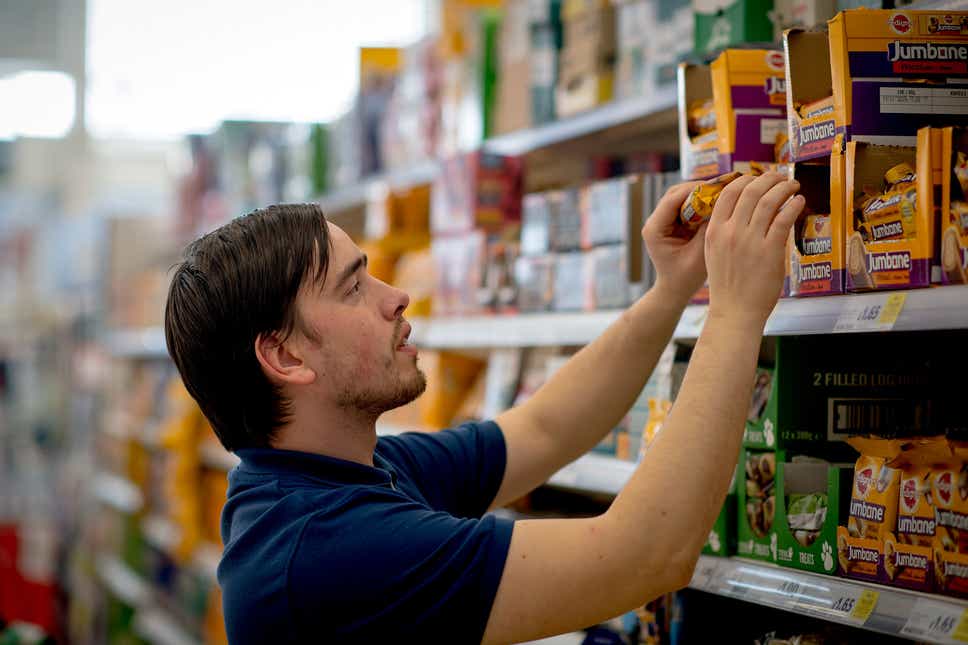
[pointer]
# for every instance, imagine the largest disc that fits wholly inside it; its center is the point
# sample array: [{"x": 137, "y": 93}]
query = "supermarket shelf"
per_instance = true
[
  {"x": 356, "y": 195},
  {"x": 873, "y": 607},
  {"x": 594, "y": 474},
  {"x": 148, "y": 342},
  {"x": 123, "y": 583},
  {"x": 215, "y": 456},
  {"x": 117, "y": 492},
  {"x": 160, "y": 532},
  {"x": 607, "y": 116},
  {"x": 512, "y": 331},
  {"x": 156, "y": 627}
]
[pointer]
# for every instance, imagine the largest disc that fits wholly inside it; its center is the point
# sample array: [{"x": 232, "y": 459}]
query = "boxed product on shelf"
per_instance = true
[
  {"x": 749, "y": 96},
  {"x": 815, "y": 248},
  {"x": 612, "y": 212},
  {"x": 411, "y": 124},
  {"x": 895, "y": 71},
  {"x": 670, "y": 42},
  {"x": 756, "y": 505},
  {"x": 722, "y": 536},
  {"x": 811, "y": 502},
  {"x": 802, "y": 14},
  {"x": 498, "y": 291},
  {"x": 565, "y": 219},
  {"x": 635, "y": 20},
  {"x": 587, "y": 60},
  {"x": 698, "y": 138},
  {"x": 571, "y": 293},
  {"x": 378, "y": 69},
  {"x": 546, "y": 42},
  {"x": 890, "y": 240},
  {"x": 513, "y": 109},
  {"x": 458, "y": 269},
  {"x": 607, "y": 277},
  {"x": 725, "y": 23},
  {"x": 810, "y": 108},
  {"x": 949, "y": 492},
  {"x": 827, "y": 388},
  {"x": 534, "y": 276},
  {"x": 476, "y": 190},
  {"x": 945, "y": 152},
  {"x": 536, "y": 221}
]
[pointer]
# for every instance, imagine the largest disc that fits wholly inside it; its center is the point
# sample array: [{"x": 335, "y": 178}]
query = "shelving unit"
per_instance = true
[
  {"x": 117, "y": 492},
  {"x": 873, "y": 607}
]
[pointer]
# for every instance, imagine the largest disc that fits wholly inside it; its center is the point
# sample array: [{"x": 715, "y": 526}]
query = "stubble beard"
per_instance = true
[{"x": 401, "y": 390}]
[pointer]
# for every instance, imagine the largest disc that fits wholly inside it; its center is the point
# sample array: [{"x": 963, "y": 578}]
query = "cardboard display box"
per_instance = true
[
  {"x": 811, "y": 118},
  {"x": 815, "y": 265},
  {"x": 875, "y": 257},
  {"x": 756, "y": 505},
  {"x": 587, "y": 62},
  {"x": 725, "y": 23},
  {"x": 476, "y": 190},
  {"x": 722, "y": 537},
  {"x": 807, "y": 539},
  {"x": 875, "y": 54},
  {"x": 749, "y": 92},
  {"x": 800, "y": 14},
  {"x": 698, "y": 153},
  {"x": 945, "y": 151}
]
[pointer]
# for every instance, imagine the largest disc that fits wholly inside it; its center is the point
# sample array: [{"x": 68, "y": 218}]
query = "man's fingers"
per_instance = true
[
  {"x": 780, "y": 228},
  {"x": 667, "y": 210},
  {"x": 752, "y": 194},
  {"x": 770, "y": 204},
  {"x": 726, "y": 202}
]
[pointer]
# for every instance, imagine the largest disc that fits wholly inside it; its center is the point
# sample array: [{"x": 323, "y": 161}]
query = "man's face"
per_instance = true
[{"x": 352, "y": 334}]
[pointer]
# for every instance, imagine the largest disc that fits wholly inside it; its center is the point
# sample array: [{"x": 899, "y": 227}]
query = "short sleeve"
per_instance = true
[
  {"x": 458, "y": 471},
  {"x": 385, "y": 569}
]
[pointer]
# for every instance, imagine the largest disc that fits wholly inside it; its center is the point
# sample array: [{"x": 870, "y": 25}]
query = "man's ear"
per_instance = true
[{"x": 281, "y": 361}]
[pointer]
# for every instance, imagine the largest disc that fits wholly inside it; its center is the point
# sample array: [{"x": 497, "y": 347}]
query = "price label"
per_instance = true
[
  {"x": 866, "y": 313},
  {"x": 937, "y": 621}
]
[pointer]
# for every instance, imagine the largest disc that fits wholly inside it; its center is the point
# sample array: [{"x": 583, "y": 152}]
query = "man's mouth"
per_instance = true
[{"x": 404, "y": 343}]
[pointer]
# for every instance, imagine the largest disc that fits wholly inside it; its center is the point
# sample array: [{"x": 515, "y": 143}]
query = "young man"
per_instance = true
[{"x": 332, "y": 535}]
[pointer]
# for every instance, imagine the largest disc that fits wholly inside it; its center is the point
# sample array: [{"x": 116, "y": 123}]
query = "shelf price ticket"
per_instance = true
[
  {"x": 876, "y": 312},
  {"x": 938, "y": 622}
]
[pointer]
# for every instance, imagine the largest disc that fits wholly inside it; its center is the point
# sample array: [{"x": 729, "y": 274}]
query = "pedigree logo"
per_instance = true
[
  {"x": 942, "y": 485},
  {"x": 900, "y": 23},
  {"x": 864, "y": 480},
  {"x": 774, "y": 60},
  {"x": 909, "y": 495}
]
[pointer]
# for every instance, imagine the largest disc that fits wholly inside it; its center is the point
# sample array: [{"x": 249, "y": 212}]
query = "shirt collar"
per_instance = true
[{"x": 272, "y": 460}]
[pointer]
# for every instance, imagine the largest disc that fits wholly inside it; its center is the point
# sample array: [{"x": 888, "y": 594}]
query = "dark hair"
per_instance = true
[{"x": 235, "y": 283}]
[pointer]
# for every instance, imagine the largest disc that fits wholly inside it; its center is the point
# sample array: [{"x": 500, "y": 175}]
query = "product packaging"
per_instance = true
[
  {"x": 571, "y": 285},
  {"x": 534, "y": 276},
  {"x": 749, "y": 92},
  {"x": 800, "y": 14},
  {"x": 722, "y": 536},
  {"x": 536, "y": 220},
  {"x": 459, "y": 269},
  {"x": 476, "y": 190},
  {"x": 756, "y": 505},
  {"x": 894, "y": 71},
  {"x": 809, "y": 88},
  {"x": 945, "y": 152},
  {"x": 725, "y": 23},
  {"x": 565, "y": 220},
  {"x": 612, "y": 212},
  {"x": 949, "y": 491},
  {"x": 889, "y": 239},
  {"x": 607, "y": 275},
  {"x": 698, "y": 140},
  {"x": 698, "y": 207},
  {"x": 811, "y": 501},
  {"x": 815, "y": 248},
  {"x": 587, "y": 62}
]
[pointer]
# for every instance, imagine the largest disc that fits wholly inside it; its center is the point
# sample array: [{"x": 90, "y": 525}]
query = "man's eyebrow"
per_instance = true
[{"x": 351, "y": 268}]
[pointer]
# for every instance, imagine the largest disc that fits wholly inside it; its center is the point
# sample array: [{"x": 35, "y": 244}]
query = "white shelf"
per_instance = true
[
  {"x": 607, "y": 116},
  {"x": 148, "y": 342},
  {"x": 356, "y": 195},
  {"x": 156, "y": 627},
  {"x": 898, "y": 612},
  {"x": 532, "y": 330},
  {"x": 117, "y": 492},
  {"x": 593, "y": 473},
  {"x": 215, "y": 456}
]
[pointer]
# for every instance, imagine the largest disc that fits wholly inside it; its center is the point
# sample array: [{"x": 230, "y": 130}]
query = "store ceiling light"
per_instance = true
[{"x": 36, "y": 104}]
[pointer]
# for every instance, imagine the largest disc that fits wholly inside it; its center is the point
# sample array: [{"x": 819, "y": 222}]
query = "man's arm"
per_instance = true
[
  {"x": 562, "y": 575},
  {"x": 591, "y": 393}
]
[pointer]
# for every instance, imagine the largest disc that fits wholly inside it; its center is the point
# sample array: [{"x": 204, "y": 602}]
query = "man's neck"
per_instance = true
[{"x": 341, "y": 434}]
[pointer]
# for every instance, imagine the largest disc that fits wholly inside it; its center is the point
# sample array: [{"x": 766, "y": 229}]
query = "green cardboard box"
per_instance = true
[
  {"x": 756, "y": 505},
  {"x": 722, "y": 536},
  {"x": 812, "y": 544},
  {"x": 724, "y": 23},
  {"x": 826, "y": 388}
]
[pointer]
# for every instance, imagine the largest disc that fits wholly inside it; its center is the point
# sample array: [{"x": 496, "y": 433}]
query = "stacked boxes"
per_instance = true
[
  {"x": 896, "y": 71},
  {"x": 652, "y": 38},
  {"x": 586, "y": 71},
  {"x": 945, "y": 152},
  {"x": 698, "y": 138},
  {"x": 810, "y": 110},
  {"x": 749, "y": 93}
]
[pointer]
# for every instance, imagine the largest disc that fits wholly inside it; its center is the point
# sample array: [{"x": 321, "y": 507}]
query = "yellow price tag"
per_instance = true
[
  {"x": 892, "y": 308},
  {"x": 865, "y": 605},
  {"x": 961, "y": 631}
]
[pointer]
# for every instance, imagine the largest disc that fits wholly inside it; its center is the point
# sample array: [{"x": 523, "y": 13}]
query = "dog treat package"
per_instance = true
[
  {"x": 949, "y": 491},
  {"x": 810, "y": 102},
  {"x": 756, "y": 533},
  {"x": 894, "y": 71},
  {"x": 698, "y": 206},
  {"x": 872, "y": 512},
  {"x": 722, "y": 536},
  {"x": 908, "y": 560},
  {"x": 889, "y": 236},
  {"x": 698, "y": 139},
  {"x": 749, "y": 91},
  {"x": 945, "y": 152},
  {"x": 815, "y": 248},
  {"x": 812, "y": 500}
]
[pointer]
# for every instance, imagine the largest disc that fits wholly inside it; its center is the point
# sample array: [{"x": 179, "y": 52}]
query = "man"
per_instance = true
[{"x": 332, "y": 535}]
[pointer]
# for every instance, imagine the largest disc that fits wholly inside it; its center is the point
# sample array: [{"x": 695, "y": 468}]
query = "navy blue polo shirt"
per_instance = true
[{"x": 324, "y": 550}]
